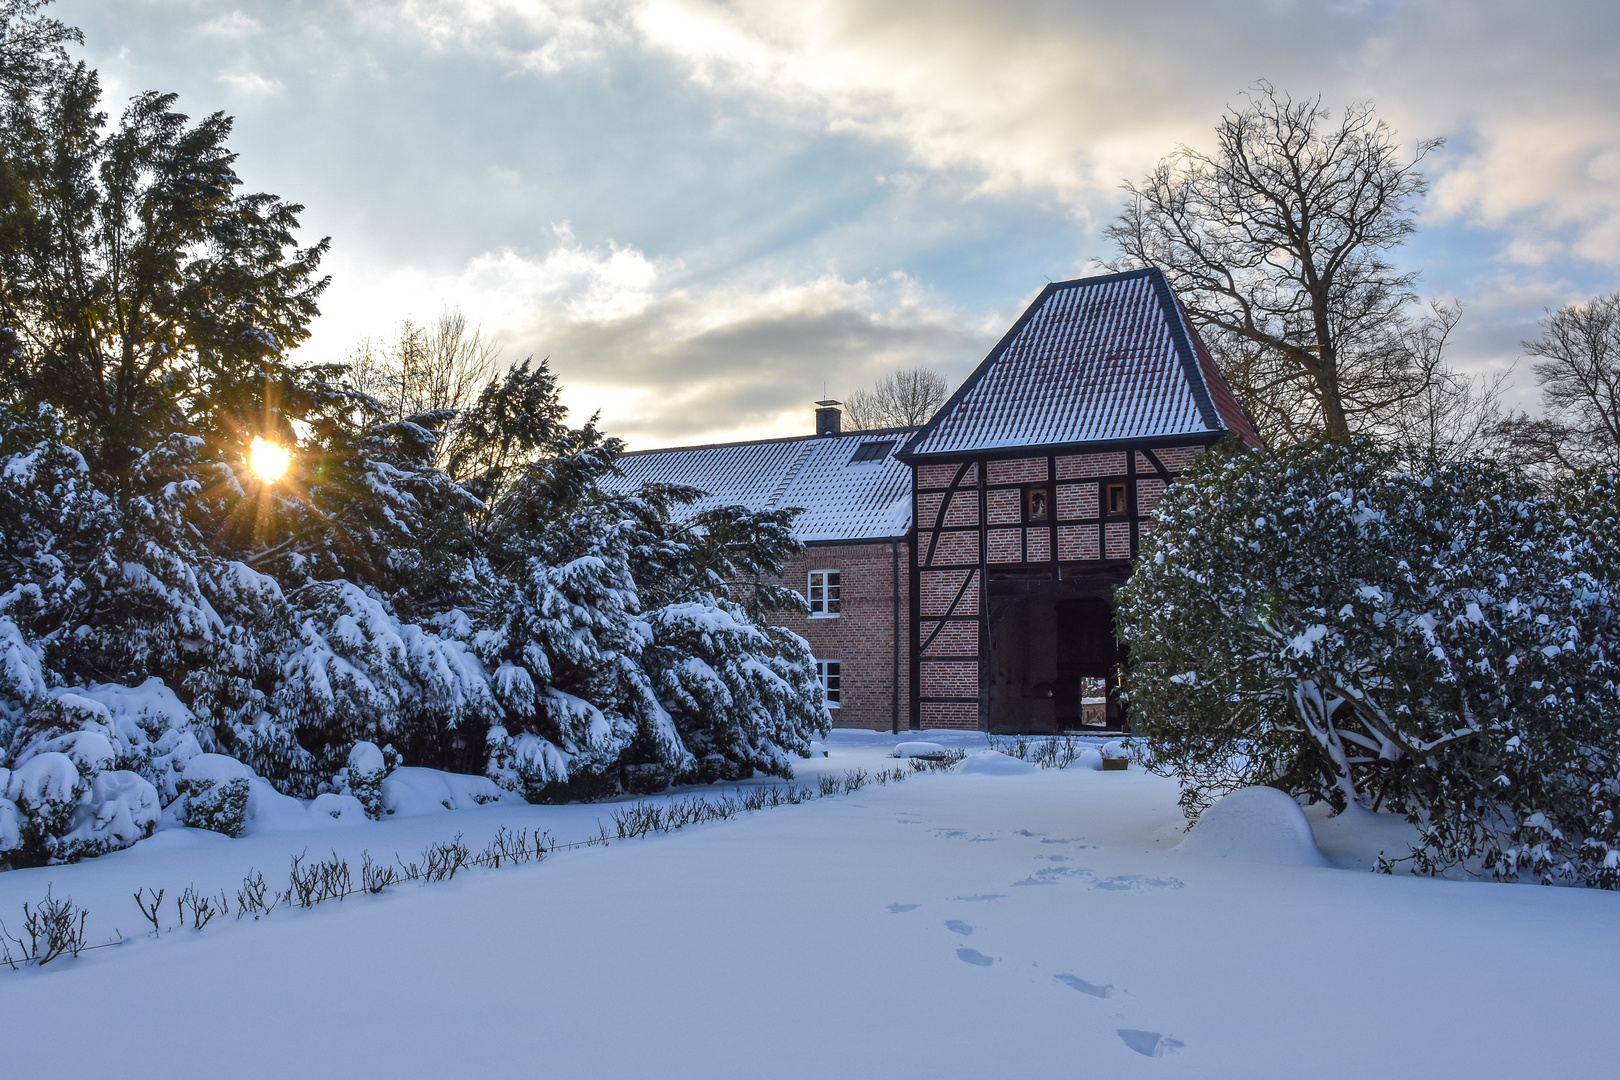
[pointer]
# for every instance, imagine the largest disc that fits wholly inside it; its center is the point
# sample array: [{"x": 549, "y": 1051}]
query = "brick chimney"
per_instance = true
[{"x": 829, "y": 417}]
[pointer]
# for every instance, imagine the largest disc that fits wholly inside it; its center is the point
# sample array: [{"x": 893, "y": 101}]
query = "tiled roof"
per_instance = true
[
  {"x": 842, "y": 499},
  {"x": 1098, "y": 359}
]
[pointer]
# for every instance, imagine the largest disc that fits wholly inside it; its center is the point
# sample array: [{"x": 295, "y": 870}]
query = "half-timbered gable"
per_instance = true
[{"x": 1032, "y": 488}]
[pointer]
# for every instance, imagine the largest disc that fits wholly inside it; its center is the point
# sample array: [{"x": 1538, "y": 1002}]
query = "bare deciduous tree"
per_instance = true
[
  {"x": 907, "y": 398},
  {"x": 1452, "y": 416},
  {"x": 1277, "y": 245},
  {"x": 1579, "y": 375},
  {"x": 425, "y": 369}
]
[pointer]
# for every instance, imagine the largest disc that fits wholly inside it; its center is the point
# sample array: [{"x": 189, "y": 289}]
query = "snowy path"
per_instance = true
[{"x": 945, "y": 926}]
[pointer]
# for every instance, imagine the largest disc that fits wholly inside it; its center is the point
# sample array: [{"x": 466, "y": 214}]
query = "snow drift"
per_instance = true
[{"x": 1257, "y": 824}]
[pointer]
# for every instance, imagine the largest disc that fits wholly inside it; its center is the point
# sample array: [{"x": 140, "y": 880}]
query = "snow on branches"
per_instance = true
[
  {"x": 1436, "y": 644},
  {"x": 519, "y": 622}
]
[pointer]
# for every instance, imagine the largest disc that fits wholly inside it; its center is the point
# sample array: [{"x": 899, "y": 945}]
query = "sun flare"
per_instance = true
[{"x": 268, "y": 460}]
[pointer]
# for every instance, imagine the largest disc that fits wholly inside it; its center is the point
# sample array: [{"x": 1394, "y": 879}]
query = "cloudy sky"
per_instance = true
[{"x": 705, "y": 213}]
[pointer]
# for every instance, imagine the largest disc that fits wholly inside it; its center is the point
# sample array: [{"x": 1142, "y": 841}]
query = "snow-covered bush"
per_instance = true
[
  {"x": 215, "y": 791},
  {"x": 363, "y": 777},
  {"x": 65, "y": 808},
  {"x": 72, "y": 785},
  {"x": 743, "y": 697},
  {"x": 1435, "y": 644}
]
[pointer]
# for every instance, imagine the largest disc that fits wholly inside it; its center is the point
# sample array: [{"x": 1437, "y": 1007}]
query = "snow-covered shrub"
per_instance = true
[
  {"x": 359, "y": 673},
  {"x": 363, "y": 777},
  {"x": 526, "y": 763},
  {"x": 743, "y": 697},
  {"x": 216, "y": 790},
  {"x": 65, "y": 814},
  {"x": 1316, "y": 620},
  {"x": 569, "y": 669},
  {"x": 69, "y": 784}
]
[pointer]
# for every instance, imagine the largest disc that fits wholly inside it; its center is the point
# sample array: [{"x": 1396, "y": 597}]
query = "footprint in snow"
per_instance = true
[
  {"x": 957, "y": 926},
  {"x": 1149, "y": 1043},
  {"x": 1049, "y": 875},
  {"x": 1070, "y": 840},
  {"x": 975, "y": 957},
  {"x": 950, "y": 834},
  {"x": 981, "y": 898},
  {"x": 898, "y": 908},
  {"x": 1135, "y": 881},
  {"x": 1026, "y": 832},
  {"x": 1084, "y": 987}
]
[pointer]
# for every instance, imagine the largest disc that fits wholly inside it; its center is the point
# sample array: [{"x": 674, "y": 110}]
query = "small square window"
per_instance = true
[
  {"x": 1037, "y": 504},
  {"x": 823, "y": 594},
  {"x": 829, "y": 670},
  {"x": 1116, "y": 499}
]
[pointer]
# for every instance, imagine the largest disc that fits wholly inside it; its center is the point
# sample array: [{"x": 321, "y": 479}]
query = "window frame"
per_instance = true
[
  {"x": 1030, "y": 496},
  {"x": 831, "y": 674},
  {"x": 872, "y": 450},
  {"x": 1124, "y": 499},
  {"x": 831, "y": 581}
]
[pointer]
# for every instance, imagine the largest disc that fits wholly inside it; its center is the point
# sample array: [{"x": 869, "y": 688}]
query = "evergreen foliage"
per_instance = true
[
  {"x": 457, "y": 586},
  {"x": 1441, "y": 644}
]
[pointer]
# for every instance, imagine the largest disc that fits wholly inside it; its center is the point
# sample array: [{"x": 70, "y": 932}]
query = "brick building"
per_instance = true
[{"x": 1010, "y": 517}]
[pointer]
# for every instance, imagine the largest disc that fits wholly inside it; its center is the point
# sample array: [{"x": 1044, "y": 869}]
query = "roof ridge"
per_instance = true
[
  {"x": 778, "y": 439},
  {"x": 1181, "y": 335}
]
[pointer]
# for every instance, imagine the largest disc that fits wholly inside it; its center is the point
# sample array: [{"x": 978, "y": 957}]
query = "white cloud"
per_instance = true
[
  {"x": 665, "y": 361},
  {"x": 250, "y": 83},
  {"x": 233, "y": 25},
  {"x": 1551, "y": 182},
  {"x": 1066, "y": 102}
]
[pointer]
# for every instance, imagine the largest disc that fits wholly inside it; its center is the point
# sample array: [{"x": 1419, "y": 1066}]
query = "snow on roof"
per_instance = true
[
  {"x": 848, "y": 488},
  {"x": 1098, "y": 359}
]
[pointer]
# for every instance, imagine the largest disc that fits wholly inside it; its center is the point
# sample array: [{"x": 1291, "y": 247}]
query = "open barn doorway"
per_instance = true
[{"x": 1054, "y": 658}]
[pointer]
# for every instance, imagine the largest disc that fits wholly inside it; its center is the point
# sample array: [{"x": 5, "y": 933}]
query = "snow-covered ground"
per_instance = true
[{"x": 981, "y": 924}]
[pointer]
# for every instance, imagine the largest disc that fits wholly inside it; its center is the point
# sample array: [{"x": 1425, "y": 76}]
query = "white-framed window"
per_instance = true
[
  {"x": 829, "y": 670},
  {"x": 823, "y": 594}
]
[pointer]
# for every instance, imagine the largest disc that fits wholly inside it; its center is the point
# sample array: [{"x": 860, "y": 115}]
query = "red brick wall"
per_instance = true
[{"x": 862, "y": 637}]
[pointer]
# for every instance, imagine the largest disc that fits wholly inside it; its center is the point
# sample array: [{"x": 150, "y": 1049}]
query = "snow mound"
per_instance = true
[
  {"x": 1257, "y": 824},
  {"x": 918, "y": 749},
  {"x": 411, "y": 791},
  {"x": 1090, "y": 758},
  {"x": 994, "y": 763},
  {"x": 1357, "y": 837}
]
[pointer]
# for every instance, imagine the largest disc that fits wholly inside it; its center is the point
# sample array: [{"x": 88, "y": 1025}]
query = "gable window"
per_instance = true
[
  {"x": 1116, "y": 498},
  {"x": 830, "y": 680},
  {"x": 872, "y": 451},
  {"x": 1037, "y": 504},
  {"x": 823, "y": 594}
]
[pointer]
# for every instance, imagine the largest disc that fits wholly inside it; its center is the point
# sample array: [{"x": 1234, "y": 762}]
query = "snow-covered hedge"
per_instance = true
[{"x": 1443, "y": 644}]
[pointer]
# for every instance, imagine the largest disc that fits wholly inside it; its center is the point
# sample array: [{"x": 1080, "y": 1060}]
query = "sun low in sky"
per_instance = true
[{"x": 268, "y": 460}]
